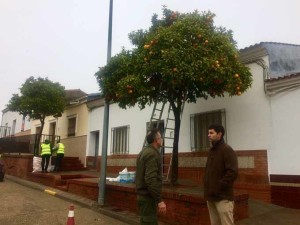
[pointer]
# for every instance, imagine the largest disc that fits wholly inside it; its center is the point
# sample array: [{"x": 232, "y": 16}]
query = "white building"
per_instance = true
[
  {"x": 261, "y": 125},
  {"x": 12, "y": 123}
]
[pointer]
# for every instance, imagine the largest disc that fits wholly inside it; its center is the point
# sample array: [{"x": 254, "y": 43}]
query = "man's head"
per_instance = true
[
  {"x": 154, "y": 138},
  {"x": 47, "y": 141},
  {"x": 215, "y": 133}
]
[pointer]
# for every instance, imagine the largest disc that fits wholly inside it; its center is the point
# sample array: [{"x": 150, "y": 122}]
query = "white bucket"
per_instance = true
[
  {"x": 131, "y": 177},
  {"x": 124, "y": 177}
]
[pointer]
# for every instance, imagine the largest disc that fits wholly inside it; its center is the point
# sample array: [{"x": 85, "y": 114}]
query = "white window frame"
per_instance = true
[
  {"x": 196, "y": 132},
  {"x": 120, "y": 140}
]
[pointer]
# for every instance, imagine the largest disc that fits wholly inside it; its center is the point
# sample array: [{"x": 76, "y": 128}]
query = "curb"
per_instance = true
[{"x": 126, "y": 217}]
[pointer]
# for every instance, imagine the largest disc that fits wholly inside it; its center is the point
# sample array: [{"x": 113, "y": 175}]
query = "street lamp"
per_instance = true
[{"x": 102, "y": 181}]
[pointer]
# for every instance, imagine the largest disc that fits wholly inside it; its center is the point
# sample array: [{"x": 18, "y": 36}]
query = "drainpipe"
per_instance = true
[
  {"x": 266, "y": 76},
  {"x": 265, "y": 68}
]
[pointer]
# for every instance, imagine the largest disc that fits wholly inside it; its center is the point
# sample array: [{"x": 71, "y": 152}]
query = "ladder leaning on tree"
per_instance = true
[
  {"x": 169, "y": 131},
  {"x": 168, "y": 141},
  {"x": 157, "y": 109}
]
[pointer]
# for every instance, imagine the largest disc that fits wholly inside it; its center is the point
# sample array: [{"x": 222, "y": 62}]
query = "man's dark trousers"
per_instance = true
[
  {"x": 58, "y": 160},
  {"x": 148, "y": 210},
  {"x": 45, "y": 160}
]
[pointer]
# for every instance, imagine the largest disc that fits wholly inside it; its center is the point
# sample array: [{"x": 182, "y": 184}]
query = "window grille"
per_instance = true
[
  {"x": 199, "y": 128},
  {"x": 120, "y": 140}
]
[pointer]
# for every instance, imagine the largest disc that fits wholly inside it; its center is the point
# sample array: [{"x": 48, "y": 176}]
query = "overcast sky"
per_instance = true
[{"x": 66, "y": 40}]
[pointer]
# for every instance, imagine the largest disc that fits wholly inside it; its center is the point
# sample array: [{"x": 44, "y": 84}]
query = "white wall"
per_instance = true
[
  {"x": 133, "y": 117},
  {"x": 247, "y": 119},
  {"x": 8, "y": 117},
  {"x": 95, "y": 123},
  {"x": 285, "y": 155},
  {"x": 247, "y": 116}
]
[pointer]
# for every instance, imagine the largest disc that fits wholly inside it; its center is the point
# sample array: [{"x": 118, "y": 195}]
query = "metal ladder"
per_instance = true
[
  {"x": 154, "y": 118},
  {"x": 168, "y": 141},
  {"x": 159, "y": 109}
]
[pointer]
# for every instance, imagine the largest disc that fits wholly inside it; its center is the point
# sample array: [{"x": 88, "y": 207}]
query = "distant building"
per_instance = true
[
  {"x": 14, "y": 124},
  {"x": 71, "y": 126}
]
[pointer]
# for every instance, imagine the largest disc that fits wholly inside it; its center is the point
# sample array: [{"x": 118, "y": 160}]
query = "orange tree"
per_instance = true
[{"x": 181, "y": 57}]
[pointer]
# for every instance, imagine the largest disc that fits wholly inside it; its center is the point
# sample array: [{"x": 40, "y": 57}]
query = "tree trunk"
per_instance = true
[
  {"x": 39, "y": 135},
  {"x": 177, "y": 113}
]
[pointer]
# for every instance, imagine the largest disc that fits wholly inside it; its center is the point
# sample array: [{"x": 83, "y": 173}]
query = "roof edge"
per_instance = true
[{"x": 252, "y": 53}]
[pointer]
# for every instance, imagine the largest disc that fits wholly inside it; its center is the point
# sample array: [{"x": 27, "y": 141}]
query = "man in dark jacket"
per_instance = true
[
  {"x": 220, "y": 174},
  {"x": 149, "y": 180}
]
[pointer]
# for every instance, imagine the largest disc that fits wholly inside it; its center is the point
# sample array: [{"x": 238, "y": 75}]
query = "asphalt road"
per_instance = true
[{"x": 20, "y": 205}]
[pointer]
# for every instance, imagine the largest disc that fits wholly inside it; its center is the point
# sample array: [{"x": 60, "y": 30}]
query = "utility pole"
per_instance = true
[{"x": 102, "y": 181}]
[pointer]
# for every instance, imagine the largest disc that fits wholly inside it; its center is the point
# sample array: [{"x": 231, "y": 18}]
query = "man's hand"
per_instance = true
[{"x": 162, "y": 208}]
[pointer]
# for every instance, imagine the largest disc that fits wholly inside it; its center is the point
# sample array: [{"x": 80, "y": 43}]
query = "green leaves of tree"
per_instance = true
[
  {"x": 39, "y": 98},
  {"x": 181, "y": 57}
]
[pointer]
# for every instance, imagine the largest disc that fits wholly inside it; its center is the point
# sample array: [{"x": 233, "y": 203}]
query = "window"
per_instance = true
[
  {"x": 6, "y": 130},
  {"x": 120, "y": 140},
  {"x": 52, "y": 128},
  {"x": 13, "y": 128},
  {"x": 160, "y": 125},
  {"x": 155, "y": 124},
  {"x": 199, "y": 128},
  {"x": 23, "y": 123},
  {"x": 52, "y": 131},
  {"x": 71, "y": 126},
  {"x": 38, "y": 130}
]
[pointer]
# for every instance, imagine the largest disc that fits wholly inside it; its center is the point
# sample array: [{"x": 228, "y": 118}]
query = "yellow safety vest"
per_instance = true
[
  {"x": 61, "y": 148},
  {"x": 46, "y": 149}
]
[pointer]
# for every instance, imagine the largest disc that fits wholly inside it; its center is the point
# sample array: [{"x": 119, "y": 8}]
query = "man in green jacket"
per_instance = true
[
  {"x": 220, "y": 174},
  {"x": 149, "y": 180}
]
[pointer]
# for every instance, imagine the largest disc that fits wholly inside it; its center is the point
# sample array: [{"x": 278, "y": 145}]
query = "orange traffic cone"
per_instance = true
[{"x": 71, "y": 220}]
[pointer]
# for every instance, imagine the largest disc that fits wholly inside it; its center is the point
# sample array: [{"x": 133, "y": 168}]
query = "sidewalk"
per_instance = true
[
  {"x": 260, "y": 213},
  {"x": 126, "y": 217}
]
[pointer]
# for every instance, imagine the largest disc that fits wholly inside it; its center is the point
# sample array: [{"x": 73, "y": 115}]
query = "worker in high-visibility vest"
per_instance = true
[
  {"x": 46, "y": 154},
  {"x": 60, "y": 153}
]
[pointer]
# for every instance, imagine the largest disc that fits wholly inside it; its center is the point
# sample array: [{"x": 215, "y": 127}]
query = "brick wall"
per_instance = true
[
  {"x": 18, "y": 165},
  {"x": 183, "y": 208},
  {"x": 285, "y": 190},
  {"x": 75, "y": 147},
  {"x": 22, "y": 165},
  {"x": 253, "y": 169}
]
